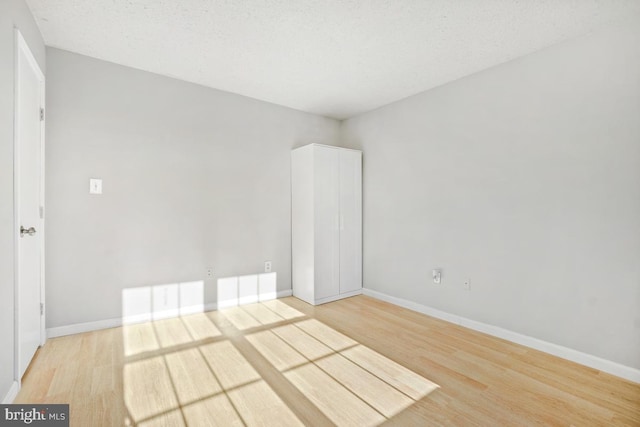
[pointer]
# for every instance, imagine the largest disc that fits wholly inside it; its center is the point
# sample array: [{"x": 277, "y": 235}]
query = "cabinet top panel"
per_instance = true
[{"x": 324, "y": 146}]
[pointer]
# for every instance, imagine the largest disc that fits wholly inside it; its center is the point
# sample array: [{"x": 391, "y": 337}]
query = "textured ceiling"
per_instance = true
[{"x": 336, "y": 58}]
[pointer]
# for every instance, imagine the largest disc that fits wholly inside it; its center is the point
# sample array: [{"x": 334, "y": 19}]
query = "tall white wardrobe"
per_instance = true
[{"x": 326, "y": 214}]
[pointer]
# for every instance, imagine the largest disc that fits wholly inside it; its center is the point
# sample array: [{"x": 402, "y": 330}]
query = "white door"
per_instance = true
[
  {"x": 29, "y": 97},
  {"x": 326, "y": 233},
  {"x": 350, "y": 221}
]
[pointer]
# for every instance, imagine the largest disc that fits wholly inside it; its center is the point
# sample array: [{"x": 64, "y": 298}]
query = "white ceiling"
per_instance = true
[{"x": 336, "y": 58}]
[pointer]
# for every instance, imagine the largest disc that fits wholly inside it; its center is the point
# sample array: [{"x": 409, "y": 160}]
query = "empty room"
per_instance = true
[{"x": 319, "y": 213}]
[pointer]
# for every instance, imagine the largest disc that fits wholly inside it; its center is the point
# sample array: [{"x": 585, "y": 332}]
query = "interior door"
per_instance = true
[
  {"x": 350, "y": 221},
  {"x": 29, "y": 197}
]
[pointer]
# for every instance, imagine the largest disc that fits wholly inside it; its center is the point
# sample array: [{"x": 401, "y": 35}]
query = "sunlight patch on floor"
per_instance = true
[
  {"x": 341, "y": 406},
  {"x": 213, "y": 411},
  {"x": 186, "y": 371},
  {"x": 228, "y": 365},
  {"x": 171, "y": 418},
  {"x": 262, "y": 314},
  {"x": 239, "y": 318},
  {"x": 283, "y": 310},
  {"x": 405, "y": 380},
  {"x": 191, "y": 375},
  {"x": 342, "y": 370},
  {"x": 147, "y": 383},
  {"x": 139, "y": 338},
  {"x": 377, "y": 393},
  {"x": 260, "y": 405},
  {"x": 276, "y": 351},
  {"x": 200, "y": 327},
  {"x": 330, "y": 337},
  {"x": 171, "y": 332},
  {"x": 212, "y": 384},
  {"x": 304, "y": 343}
]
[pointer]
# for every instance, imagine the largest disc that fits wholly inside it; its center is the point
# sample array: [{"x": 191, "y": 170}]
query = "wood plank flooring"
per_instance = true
[{"x": 357, "y": 361}]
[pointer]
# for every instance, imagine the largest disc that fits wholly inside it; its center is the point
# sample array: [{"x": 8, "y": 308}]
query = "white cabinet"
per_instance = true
[{"x": 326, "y": 217}]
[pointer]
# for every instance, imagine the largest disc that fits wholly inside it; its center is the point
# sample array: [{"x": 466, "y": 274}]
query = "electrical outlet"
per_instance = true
[
  {"x": 467, "y": 285},
  {"x": 95, "y": 186},
  {"x": 267, "y": 266},
  {"x": 209, "y": 272},
  {"x": 437, "y": 276}
]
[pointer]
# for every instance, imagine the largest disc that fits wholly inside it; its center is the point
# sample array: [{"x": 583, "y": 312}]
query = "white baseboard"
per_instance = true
[
  {"x": 11, "y": 394},
  {"x": 78, "y": 328},
  {"x": 337, "y": 297},
  {"x": 589, "y": 360},
  {"x": 285, "y": 293}
]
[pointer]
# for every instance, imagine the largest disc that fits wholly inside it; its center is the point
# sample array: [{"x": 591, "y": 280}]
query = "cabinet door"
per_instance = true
[
  {"x": 326, "y": 209},
  {"x": 350, "y": 221},
  {"x": 302, "y": 227}
]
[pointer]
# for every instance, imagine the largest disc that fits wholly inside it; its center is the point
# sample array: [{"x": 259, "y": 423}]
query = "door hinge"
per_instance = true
[
  {"x": 41, "y": 308},
  {"x": 41, "y": 114}
]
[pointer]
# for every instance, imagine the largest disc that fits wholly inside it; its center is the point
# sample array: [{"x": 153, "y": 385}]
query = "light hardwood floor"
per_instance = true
[{"x": 356, "y": 362}]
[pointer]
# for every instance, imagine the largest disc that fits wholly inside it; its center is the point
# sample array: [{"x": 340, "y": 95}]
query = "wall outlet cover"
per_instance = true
[
  {"x": 437, "y": 276},
  {"x": 95, "y": 186}
]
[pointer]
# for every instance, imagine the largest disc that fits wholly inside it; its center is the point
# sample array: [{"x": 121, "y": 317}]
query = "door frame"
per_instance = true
[{"x": 21, "y": 47}]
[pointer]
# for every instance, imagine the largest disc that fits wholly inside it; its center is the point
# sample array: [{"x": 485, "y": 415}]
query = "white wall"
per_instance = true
[
  {"x": 524, "y": 178},
  {"x": 193, "y": 178},
  {"x": 13, "y": 14}
]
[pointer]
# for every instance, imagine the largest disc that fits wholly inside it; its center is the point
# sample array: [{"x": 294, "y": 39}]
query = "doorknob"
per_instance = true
[{"x": 30, "y": 231}]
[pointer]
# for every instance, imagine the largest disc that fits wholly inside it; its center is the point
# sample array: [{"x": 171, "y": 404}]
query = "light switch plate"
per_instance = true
[{"x": 95, "y": 186}]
